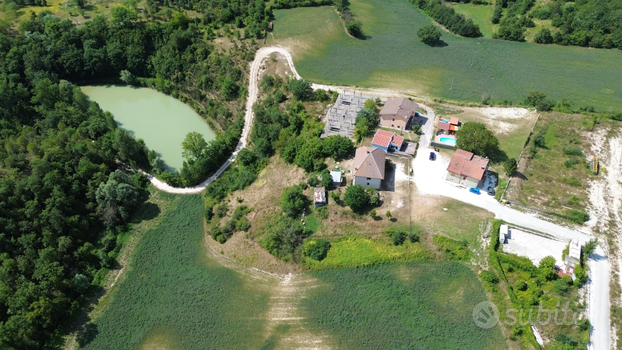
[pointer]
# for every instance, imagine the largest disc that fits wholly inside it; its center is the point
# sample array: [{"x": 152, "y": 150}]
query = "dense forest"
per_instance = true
[
  {"x": 66, "y": 185},
  {"x": 593, "y": 23}
]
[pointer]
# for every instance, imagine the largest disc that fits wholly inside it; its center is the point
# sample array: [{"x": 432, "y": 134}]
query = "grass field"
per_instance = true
[
  {"x": 465, "y": 69},
  {"x": 355, "y": 251},
  {"x": 174, "y": 294},
  {"x": 405, "y": 306}
]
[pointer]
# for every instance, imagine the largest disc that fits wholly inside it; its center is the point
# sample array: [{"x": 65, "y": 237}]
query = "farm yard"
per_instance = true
[{"x": 391, "y": 56}]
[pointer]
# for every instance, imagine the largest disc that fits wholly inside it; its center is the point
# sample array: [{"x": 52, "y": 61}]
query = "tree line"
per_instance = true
[{"x": 454, "y": 22}]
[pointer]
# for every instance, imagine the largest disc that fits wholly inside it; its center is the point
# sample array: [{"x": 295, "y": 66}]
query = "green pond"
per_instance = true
[{"x": 160, "y": 120}]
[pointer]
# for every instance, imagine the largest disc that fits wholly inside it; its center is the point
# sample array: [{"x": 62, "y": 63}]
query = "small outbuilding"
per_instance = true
[
  {"x": 337, "y": 178},
  {"x": 319, "y": 196},
  {"x": 504, "y": 233},
  {"x": 574, "y": 253}
]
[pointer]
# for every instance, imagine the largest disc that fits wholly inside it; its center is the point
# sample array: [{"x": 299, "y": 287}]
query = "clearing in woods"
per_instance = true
[{"x": 464, "y": 69}]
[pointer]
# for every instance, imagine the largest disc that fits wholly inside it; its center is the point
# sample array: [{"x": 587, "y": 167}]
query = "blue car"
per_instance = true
[{"x": 474, "y": 190}]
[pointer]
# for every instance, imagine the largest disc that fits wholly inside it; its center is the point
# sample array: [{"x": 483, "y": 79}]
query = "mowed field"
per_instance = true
[
  {"x": 392, "y": 56},
  {"x": 401, "y": 306}
]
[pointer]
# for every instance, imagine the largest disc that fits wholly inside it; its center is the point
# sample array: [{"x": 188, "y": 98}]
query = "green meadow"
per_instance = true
[
  {"x": 460, "y": 69},
  {"x": 174, "y": 294},
  {"x": 401, "y": 306}
]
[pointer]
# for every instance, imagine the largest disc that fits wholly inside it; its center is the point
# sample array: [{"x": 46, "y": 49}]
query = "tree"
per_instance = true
[
  {"x": 193, "y": 146},
  {"x": 368, "y": 115},
  {"x": 116, "y": 198},
  {"x": 474, "y": 137},
  {"x": 429, "y": 34},
  {"x": 315, "y": 248},
  {"x": 372, "y": 213},
  {"x": 127, "y": 77},
  {"x": 356, "y": 198},
  {"x": 547, "y": 268},
  {"x": 388, "y": 214},
  {"x": 538, "y": 99},
  {"x": 301, "y": 89},
  {"x": 416, "y": 129},
  {"x": 293, "y": 201},
  {"x": 354, "y": 28},
  {"x": 589, "y": 248},
  {"x": 510, "y": 166},
  {"x": 337, "y": 146},
  {"x": 543, "y": 37},
  {"x": 371, "y": 104}
]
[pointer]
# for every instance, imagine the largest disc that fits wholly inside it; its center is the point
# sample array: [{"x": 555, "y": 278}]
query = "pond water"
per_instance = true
[{"x": 160, "y": 120}]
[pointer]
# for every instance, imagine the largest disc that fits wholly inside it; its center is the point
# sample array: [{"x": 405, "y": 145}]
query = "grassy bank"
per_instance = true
[
  {"x": 464, "y": 69},
  {"x": 172, "y": 286},
  {"x": 401, "y": 306}
]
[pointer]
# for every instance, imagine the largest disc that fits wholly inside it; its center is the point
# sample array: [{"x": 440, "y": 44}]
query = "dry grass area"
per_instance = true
[
  {"x": 556, "y": 177},
  {"x": 263, "y": 197}
]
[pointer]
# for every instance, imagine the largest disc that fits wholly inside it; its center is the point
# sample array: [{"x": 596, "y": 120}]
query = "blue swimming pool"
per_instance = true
[{"x": 448, "y": 140}]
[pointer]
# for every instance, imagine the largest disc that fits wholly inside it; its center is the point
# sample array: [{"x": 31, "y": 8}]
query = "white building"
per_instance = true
[{"x": 369, "y": 167}]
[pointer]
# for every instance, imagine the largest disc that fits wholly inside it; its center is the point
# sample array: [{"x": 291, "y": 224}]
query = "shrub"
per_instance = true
[
  {"x": 543, "y": 37},
  {"x": 413, "y": 237},
  {"x": 398, "y": 238},
  {"x": 416, "y": 129},
  {"x": 573, "y": 152},
  {"x": 578, "y": 216},
  {"x": 454, "y": 250},
  {"x": 313, "y": 181},
  {"x": 316, "y": 248},
  {"x": 571, "y": 162},
  {"x": 372, "y": 213},
  {"x": 489, "y": 276}
]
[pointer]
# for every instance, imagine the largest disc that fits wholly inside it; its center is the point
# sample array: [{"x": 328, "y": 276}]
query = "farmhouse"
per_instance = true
[
  {"x": 387, "y": 141},
  {"x": 397, "y": 113},
  {"x": 319, "y": 196},
  {"x": 341, "y": 117},
  {"x": 369, "y": 167},
  {"x": 466, "y": 168}
]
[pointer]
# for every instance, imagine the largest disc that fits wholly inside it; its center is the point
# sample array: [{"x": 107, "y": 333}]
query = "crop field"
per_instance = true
[
  {"x": 462, "y": 69},
  {"x": 399, "y": 306},
  {"x": 174, "y": 294}
]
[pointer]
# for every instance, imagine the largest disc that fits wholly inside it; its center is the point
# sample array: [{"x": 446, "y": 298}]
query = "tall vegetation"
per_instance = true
[
  {"x": 454, "y": 22},
  {"x": 62, "y": 202},
  {"x": 475, "y": 137}
]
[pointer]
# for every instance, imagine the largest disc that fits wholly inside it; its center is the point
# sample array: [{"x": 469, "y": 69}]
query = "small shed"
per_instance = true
[
  {"x": 336, "y": 176},
  {"x": 504, "y": 232},
  {"x": 319, "y": 196},
  {"x": 574, "y": 253}
]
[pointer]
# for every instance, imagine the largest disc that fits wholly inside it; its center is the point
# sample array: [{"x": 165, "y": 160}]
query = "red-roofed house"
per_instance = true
[
  {"x": 466, "y": 168},
  {"x": 387, "y": 141}
]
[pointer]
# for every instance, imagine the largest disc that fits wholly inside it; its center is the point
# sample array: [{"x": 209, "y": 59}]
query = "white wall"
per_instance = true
[{"x": 374, "y": 183}]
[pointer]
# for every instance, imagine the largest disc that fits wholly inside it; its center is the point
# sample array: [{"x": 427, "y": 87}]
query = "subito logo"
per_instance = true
[{"x": 486, "y": 315}]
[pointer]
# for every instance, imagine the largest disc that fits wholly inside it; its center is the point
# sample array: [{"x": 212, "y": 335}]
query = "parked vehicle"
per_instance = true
[
  {"x": 491, "y": 191},
  {"x": 474, "y": 190},
  {"x": 432, "y": 156}
]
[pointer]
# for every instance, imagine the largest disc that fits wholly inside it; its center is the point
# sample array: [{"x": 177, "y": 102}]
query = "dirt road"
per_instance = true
[{"x": 253, "y": 91}]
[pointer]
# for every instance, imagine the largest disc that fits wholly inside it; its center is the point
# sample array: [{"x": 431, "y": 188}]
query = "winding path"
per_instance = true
[{"x": 253, "y": 91}]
